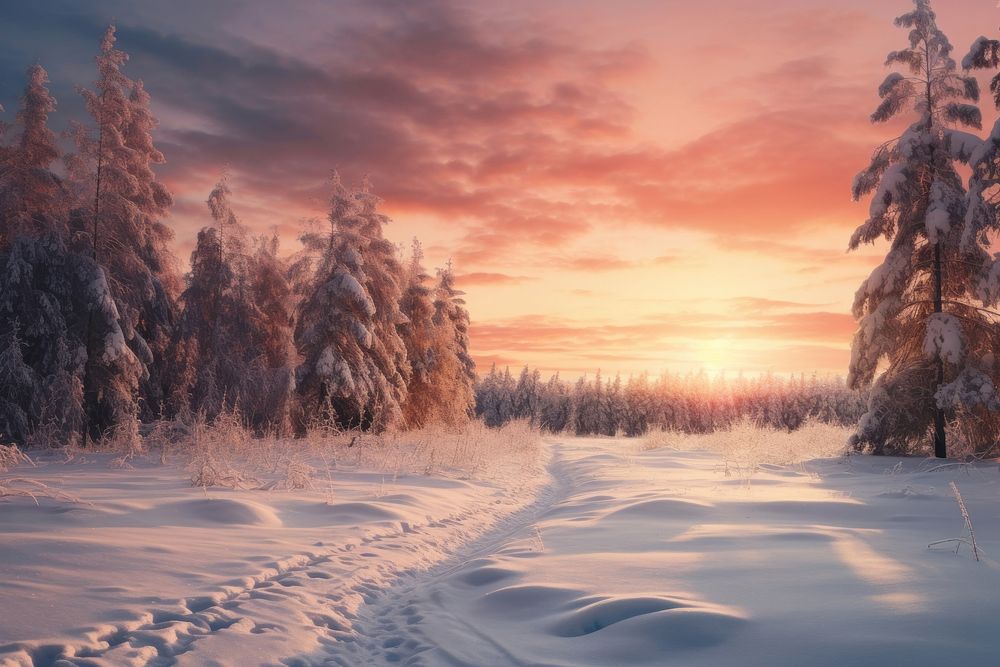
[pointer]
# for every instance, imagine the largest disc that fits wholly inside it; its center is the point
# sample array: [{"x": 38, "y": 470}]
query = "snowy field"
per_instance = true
[{"x": 739, "y": 548}]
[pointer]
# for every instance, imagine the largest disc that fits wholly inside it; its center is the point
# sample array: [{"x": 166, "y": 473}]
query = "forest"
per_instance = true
[
  {"x": 100, "y": 331},
  {"x": 691, "y": 403}
]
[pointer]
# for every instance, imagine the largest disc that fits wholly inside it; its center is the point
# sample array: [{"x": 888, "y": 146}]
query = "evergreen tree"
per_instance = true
[
  {"x": 233, "y": 349},
  {"x": 18, "y": 386},
  {"x": 119, "y": 215},
  {"x": 916, "y": 311},
  {"x": 419, "y": 337},
  {"x": 354, "y": 362},
  {"x": 452, "y": 321},
  {"x": 270, "y": 382},
  {"x": 526, "y": 395},
  {"x": 59, "y": 296},
  {"x": 556, "y": 406},
  {"x": 32, "y": 200}
]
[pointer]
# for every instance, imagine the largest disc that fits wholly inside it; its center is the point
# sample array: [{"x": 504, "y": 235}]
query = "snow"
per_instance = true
[
  {"x": 944, "y": 338},
  {"x": 970, "y": 389},
  {"x": 986, "y": 146},
  {"x": 978, "y": 46},
  {"x": 888, "y": 190},
  {"x": 703, "y": 552},
  {"x": 938, "y": 218},
  {"x": 115, "y": 346},
  {"x": 963, "y": 145},
  {"x": 889, "y": 83},
  {"x": 346, "y": 285}
]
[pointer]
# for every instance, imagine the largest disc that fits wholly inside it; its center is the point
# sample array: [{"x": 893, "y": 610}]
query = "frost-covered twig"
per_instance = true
[
  {"x": 30, "y": 488},
  {"x": 958, "y": 464},
  {"x": 971, "y": 541},
  {"x": 966, "y": 517}
]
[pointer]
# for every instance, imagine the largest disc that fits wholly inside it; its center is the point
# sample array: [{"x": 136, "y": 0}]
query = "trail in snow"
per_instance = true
[
  {"x": 663, "y": 558},
  {"x": 608, "y": 556},
  {"x": 304, "y": 603},
  {"x": 388, "y": 629}
]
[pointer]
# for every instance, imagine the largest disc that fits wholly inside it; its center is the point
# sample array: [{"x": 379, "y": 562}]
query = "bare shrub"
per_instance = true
[
  {"x": 468, "y": 450},
  {"x": 217, "y": 448},
  {"x": 11, "y": 456},
  {"x": 745, "y": 445}
]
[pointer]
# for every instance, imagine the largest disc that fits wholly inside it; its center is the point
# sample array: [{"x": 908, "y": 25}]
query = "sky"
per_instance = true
[{"x": 644, "y": 185}]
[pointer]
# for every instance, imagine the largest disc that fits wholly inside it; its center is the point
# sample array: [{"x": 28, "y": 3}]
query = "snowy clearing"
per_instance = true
[{"x": 610, "y": 554}]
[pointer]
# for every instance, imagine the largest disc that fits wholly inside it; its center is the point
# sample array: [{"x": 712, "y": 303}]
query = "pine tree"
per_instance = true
[
  {"x": 527, "y": 395},
  {"x": 18, "y": 385},
  {"x": 916, "y": 311},
  {"x": 440, "y": 388},
  {"x": 354, "y": 362},
  {"x": 32, "y": 200},
  {"x": 556, "y": 409},
  {"x": 233, "y": 348},
  {"x": 489, "y": 398},
  {"x": 270, "y": 383},
  {"x": 119, "y": 215},
  {"x": 457, "y": 368},
  {"x": 418, "y": 335},
  {"x": 59, "y": 296},
  {"x": 50, "y": 296}
]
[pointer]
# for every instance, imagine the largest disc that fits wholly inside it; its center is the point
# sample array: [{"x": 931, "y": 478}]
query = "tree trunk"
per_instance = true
[
  {"x": 90, "y": 394},
  {"x": 940, "y": 446}
]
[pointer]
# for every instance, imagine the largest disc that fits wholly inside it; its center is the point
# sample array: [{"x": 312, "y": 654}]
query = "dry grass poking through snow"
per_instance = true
[
  {"x": 745, "y": 446},
  {"x": 24, "y": 487},
  {"x": 472, "y": 450},
  {"x": 11, "y": 456},
  {"x": 224, "y": 453}
]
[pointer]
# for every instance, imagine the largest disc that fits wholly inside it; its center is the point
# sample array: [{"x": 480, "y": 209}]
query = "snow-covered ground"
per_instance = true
[{"x": 607, "y": 554}]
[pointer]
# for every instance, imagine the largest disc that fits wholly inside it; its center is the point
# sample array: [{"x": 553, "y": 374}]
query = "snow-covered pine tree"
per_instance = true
[
  {"x": 972, "y": 394},
  {"x": 354, "y": 362},
  {"x": 18, "y": 388},
  {"x": 556, "y": 409},
  {"x": 233, "y": 346},
  {"x": 435, "y": 333},
  {"x": 425, "y": 401},
  {"x": 57, "y": 296},
  {"x": 527, "y": 395},
  {"x": 917, "y": 312},
  {"x": 49, "y": 295},
  {"x": 269, "y": 384},
  {"x": 486, "y": 397},
  {"x": 612, "y": 407},
  {"x": 32, "y": 199},
  {"x": 202, "y": 343},
  {"x": 451, "y": 319},
  {"x": 119, "y": 213}
]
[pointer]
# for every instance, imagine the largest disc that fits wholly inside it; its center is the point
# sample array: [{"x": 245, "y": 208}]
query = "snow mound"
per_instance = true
[
  {"x": 528, "y": 598},
  {"x": 644, "y": 635},
  {"x": 486, "y": 572},
  {"x": 673, "y": 508},
  {"x": 595, "y": 616},
  {"x": 221, "y": 511}
]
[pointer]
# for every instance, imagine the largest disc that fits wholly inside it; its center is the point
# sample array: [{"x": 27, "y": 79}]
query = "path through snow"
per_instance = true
[{"x": 608, "y": 556}]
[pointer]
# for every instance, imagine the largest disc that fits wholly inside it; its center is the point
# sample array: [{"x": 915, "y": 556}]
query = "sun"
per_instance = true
[{"x": 714, "y": 355}]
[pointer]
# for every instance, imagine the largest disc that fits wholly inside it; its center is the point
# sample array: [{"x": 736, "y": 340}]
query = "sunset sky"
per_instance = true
[{"x": 636, "y": 185}]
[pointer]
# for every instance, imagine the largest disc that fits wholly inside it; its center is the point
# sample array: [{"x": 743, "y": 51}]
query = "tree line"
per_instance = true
[
  {"x": 99, "y": 330},
  {"x": 690, "y": 403}
]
